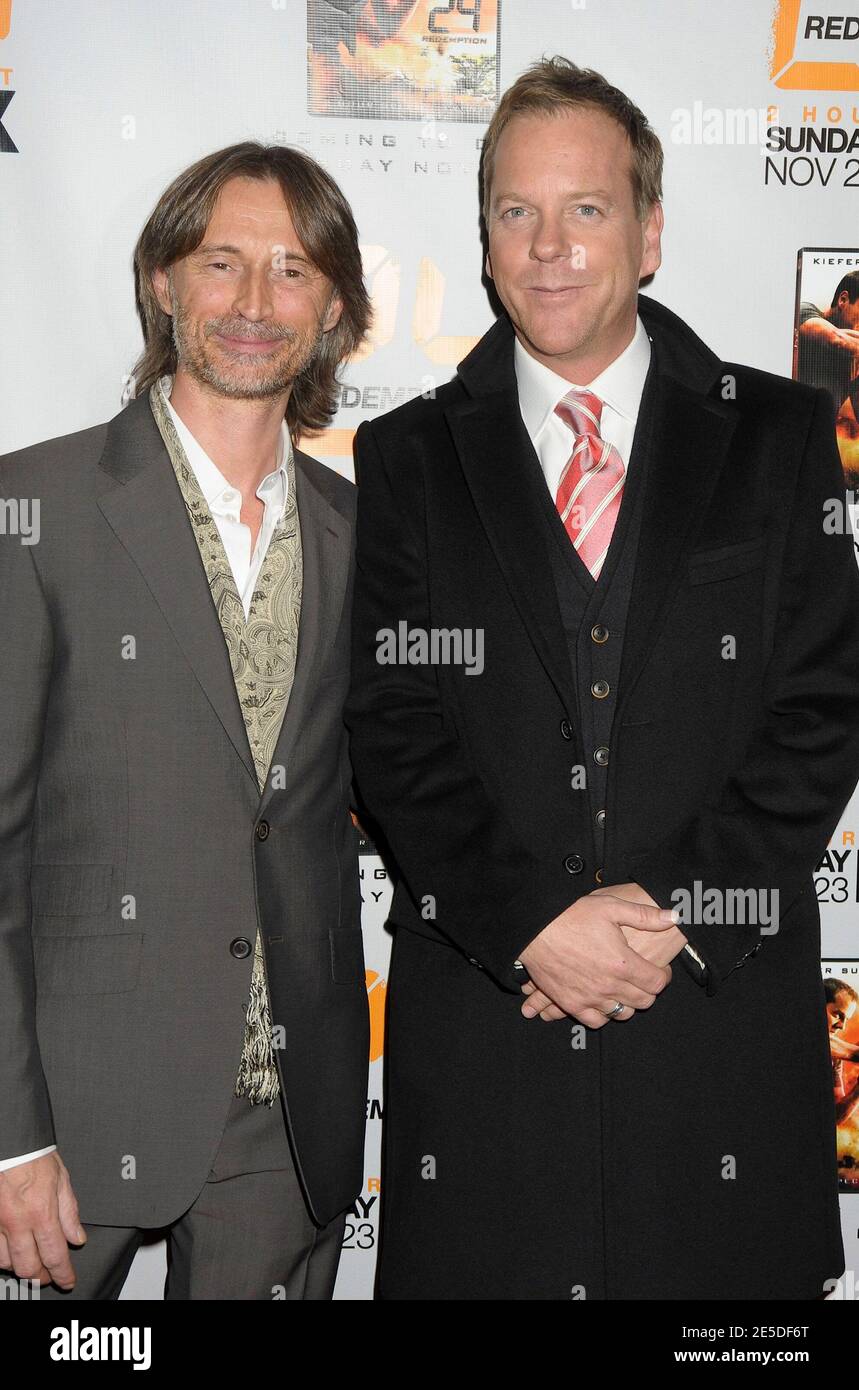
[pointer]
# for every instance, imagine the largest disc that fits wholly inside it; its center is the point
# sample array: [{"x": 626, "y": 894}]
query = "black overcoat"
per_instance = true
[{"x": 689, "y": 1152}]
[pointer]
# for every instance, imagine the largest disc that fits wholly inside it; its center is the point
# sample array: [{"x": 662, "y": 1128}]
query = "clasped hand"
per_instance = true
[{"x": 611, "y": 947}]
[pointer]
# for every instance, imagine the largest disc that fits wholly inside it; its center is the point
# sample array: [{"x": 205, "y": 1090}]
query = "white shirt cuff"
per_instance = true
[{"x": 25, "y": 1158}]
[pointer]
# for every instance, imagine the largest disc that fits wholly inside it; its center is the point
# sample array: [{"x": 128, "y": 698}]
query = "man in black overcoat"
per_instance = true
[{"x": 605, "y": 664}]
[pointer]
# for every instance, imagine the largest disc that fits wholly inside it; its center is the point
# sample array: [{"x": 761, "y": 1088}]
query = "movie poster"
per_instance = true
[
  {"x": 403, "y": 59},
  {"x": 841, "y": 986},
  {"x": 826, "y": 340}
]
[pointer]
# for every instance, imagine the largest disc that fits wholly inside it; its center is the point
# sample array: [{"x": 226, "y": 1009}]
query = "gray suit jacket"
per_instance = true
[{"x": 138, "y": 857}]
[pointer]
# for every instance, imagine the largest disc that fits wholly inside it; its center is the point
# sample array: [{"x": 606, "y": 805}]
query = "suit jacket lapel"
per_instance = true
[
  {"x": 148, "y": 517},
  {"x": 326, "y": 541}
]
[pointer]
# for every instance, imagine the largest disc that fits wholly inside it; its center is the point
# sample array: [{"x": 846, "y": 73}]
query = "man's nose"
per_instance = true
[
  {"x": 253, "y": 298},
  {"x": 551, "y": 238}
]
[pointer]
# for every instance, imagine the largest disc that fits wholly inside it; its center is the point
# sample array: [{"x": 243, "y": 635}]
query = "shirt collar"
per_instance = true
[
  {"x": 619, "y": 385},
  {"x": 219, "y": 493}
]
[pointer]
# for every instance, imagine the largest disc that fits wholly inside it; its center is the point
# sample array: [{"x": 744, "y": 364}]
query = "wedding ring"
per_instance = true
[{"x": 618, "y": 1009}]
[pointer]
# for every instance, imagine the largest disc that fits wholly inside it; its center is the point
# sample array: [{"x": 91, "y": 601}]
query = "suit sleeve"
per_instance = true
[
  {"x": 774, "y": 816},
  {"x": 465, "y": 869},
  {"x": 27, "y": 645}
]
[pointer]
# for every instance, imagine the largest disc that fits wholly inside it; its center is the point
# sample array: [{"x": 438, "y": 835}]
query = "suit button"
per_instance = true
[
  {"x": 601, "y": 756},
  {"x": 600, "y": 817},
  {"x": 574, "y": 863},
  {"x": 240, "y": 948},
  {"x": 566, "y": 728},
  {"x": 598, "y": 875},
  {"x": 600, "y": 689},
  {"x": 599, "y": 633},
  {"x": 262, "y": 830}
]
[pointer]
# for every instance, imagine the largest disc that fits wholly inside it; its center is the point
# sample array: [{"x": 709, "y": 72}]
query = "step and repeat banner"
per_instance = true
[{"x": 102, "y": 102}]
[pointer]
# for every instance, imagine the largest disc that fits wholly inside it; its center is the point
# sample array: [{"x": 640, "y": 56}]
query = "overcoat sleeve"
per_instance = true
[{"x": 770, "y": 823}]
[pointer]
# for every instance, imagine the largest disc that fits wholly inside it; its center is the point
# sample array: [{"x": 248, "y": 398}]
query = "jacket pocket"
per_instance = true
[
  {"x": 726, "y": 561},
  {"x": 347, "y": 955},
  {"x": 87, "y": 964}
]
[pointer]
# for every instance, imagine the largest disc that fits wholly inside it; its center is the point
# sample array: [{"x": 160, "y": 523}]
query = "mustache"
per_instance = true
[{"x": 249, "y": 332}]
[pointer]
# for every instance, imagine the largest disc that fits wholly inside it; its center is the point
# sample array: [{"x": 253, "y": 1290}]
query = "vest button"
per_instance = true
[
  {"x": 600, "y": 689},
  {"x": 262, "y": 830},
  {"x": 566, "y": 728},
  {"x": 240, "y": 948},
  {"x": 598, "y": 875},
  {"x": 601, "y": 756},
  {"x": 600, "y": 817},
  {"x": 599, "y": 633},
  {"x": 574, "y": 863}
]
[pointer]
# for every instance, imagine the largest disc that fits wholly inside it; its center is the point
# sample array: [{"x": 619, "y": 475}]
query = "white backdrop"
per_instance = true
[{"x": 111, "y": 98}]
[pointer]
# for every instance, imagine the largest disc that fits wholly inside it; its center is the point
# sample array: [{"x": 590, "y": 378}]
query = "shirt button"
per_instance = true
[
  {"x": 601, "y": 756},
  {"x": 600, "y": 689},
  {"x": 599, "y": 633}
]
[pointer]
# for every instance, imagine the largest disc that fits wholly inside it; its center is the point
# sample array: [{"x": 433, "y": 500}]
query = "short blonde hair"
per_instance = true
[{"x": 555, "y": 85}]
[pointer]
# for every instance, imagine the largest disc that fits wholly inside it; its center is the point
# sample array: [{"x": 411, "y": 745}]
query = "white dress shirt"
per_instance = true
[
  {"x": 619, "y": 387},
  {"x": 224, "y": 502}
]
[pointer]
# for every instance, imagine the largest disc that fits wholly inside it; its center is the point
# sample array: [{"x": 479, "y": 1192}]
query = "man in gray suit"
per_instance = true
[{"x": 183, "y": 1013}]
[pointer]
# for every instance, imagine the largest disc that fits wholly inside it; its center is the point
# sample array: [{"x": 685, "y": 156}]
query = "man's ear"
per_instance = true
[
  {"x": 488, "y": 267},
  {"x": 651, "y": 257},
  {"x": 161, "y": 286},
  {"x": 332, "y": 313}
]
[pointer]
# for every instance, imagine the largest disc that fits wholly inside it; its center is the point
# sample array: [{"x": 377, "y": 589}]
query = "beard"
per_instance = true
[{"x": 235, "y": 374}]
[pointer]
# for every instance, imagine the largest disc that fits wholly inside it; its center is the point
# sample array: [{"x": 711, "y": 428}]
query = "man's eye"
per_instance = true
[
  {"x": 587, "y": 207},
  {"x": 218, "y": 265},
  {"x": 512, "y": 210}
]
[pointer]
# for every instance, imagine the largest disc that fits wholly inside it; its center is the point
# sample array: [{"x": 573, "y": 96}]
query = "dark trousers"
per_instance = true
[{"x": 247, "y": 1235}]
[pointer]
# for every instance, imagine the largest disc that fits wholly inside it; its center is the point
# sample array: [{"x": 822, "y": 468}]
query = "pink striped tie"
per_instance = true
[{"x": 591, "y": 485}]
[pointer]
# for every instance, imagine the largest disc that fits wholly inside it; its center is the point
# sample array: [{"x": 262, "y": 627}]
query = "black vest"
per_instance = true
[{"x": 593, "y": 612}]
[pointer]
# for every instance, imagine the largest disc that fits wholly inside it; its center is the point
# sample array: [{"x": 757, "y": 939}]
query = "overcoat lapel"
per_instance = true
[
  {"x": 690, "y": 438},
  {"x": 690, "y": 433}
]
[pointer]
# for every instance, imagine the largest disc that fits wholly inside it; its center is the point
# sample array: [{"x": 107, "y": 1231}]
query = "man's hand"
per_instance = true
[
  {"x": 582, "y": 963},
  {"x": 660, "y": 947},
  {"x": 39, "y": 1220}
]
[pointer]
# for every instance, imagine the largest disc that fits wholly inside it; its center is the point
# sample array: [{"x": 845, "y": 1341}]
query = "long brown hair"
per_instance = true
[
  {"x": 326, "y": 228},
  {"x": 555, "y": 85}
]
